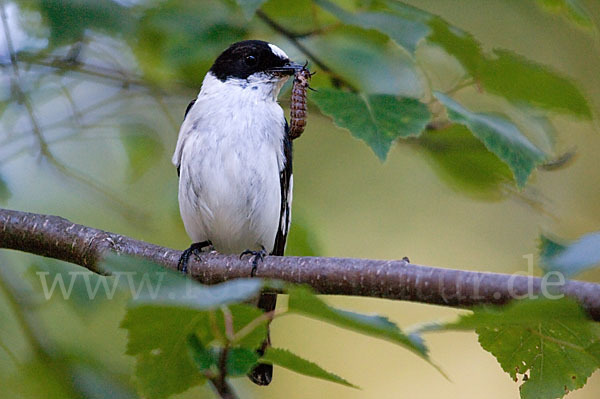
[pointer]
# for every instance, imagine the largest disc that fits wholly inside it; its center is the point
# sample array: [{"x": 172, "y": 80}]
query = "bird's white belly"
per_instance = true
[{"x": 230, "y": 195}]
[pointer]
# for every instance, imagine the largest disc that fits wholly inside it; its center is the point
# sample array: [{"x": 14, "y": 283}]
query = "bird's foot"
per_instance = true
[
  {"x": 256, "y": 256},
  {"x": 195, "y": 249}
]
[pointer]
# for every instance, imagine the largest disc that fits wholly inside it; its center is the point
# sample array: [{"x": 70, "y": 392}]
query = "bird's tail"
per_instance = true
[{"x": 263, "y": 373}]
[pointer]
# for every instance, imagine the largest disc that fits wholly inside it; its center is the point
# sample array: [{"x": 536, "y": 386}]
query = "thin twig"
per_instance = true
[
  {"x": 294, "y": 38},
  {"x": 130, "y": 212},
  {"x": 248, "y": 328},
  {"x": 222, "y": 388},
  {"x": 228, "y": 322}
]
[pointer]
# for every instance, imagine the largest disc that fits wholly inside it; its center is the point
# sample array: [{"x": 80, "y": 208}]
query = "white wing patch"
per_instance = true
[{"x": 278, "y": 52}]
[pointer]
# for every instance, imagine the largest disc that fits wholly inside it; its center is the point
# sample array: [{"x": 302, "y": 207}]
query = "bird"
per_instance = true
[{"x": 234, "y": 162}]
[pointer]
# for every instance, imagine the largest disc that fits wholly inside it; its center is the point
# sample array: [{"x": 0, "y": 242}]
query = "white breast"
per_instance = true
[{"x": 230, "y": 152}]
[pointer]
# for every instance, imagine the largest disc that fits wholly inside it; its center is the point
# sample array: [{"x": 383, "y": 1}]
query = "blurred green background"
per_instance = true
[{"x": 106, "y": 97}]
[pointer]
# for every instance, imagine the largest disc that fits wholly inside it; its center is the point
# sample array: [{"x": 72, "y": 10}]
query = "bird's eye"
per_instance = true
[{"x": 251, "y": 60}]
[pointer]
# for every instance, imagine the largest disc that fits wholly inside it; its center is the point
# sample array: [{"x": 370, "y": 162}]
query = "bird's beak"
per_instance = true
[{"x": 290, "y": 68}]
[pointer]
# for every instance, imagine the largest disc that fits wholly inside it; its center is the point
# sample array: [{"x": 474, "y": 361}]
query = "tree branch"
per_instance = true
[{"x": 59, "y": 238}]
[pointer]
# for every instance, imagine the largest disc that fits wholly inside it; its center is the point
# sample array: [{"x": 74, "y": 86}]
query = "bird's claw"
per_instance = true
[
  {"x": 194, "y": 249},
  {"x": 256, "y": 256}
]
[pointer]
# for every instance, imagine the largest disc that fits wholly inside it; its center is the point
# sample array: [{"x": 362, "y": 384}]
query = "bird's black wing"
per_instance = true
[
  {"x": 263, "y": 373},
  {"x": 190, "y": 105},
  {"x": 285, "y": 176}
]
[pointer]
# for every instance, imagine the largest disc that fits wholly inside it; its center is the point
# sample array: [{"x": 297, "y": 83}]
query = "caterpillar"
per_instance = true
[{"x": 298, "y": 103}]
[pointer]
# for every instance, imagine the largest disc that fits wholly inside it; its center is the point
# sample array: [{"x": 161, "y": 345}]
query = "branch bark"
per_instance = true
[{"x": 58, "y": 238}]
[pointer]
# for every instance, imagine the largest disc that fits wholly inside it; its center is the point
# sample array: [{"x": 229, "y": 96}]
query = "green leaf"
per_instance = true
[
  {"x": 551, "y": 340},
  {"x": 69, "y": 19},
  {"x": 510, "y": 75},
  {"x": 201, "y": 356},
  {"x": 168, "y": 341},
  {"x": 80, "y": 289},
  {"x": 242, "y": 315},
  {"x": 302, "y": 300},
  {"x": 290, "y": 361},
  {"x": 458, "y": 43},
  {"x": 143, "y": 147},
  {"x": 377, "y": 119},
  {"x": 151, "y": 327},
  {"x": 400, "y": 26},
  {"x": 166, "y": 309},
  {"x": 250, "y": 6},
  {"x": 464, "y": 162},
  {"x": 572, "y": 258},
  {"x": 519, "y": 79},
  {"x": 240, "y": 361},
  {"x": 157, "y": 337},
  {"x": 499, "y": 136},
  {"x": 4, "y": 191},
  {"x": 149, "y": 283},
  {"x": 572, "y": 9}
]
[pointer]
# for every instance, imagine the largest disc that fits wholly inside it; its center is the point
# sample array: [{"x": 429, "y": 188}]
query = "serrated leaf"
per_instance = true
[
  {"x": 165, "y": 339},
  {"x": 458, "y": 43},
  {"x": 157, "y": 337},
  {"x": 166, "y": 309},
  {"x": 572, "y": 258},
  {"x": 519, "y": 79},
  {"x": 572, "y": 9},
  {"x": 400, "y": 26},
  {"x": 464, "y": 162},
  {"x": 302, "y": 300},
  {"x": 249, "y": 7},
  {"x": 377, "y": 119},
  {"x": 163, "y": 373},
  {"x": 143, "y": 148},
  {"x": 509, "y": 75},
  {"x": 290, "y": 361},
  {"x": 500, "y": 136},
  {"x": 551, "y": 340}
]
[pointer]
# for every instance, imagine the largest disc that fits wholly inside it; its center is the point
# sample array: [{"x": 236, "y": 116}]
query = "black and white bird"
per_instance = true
[{"x": 234, "y": 160}]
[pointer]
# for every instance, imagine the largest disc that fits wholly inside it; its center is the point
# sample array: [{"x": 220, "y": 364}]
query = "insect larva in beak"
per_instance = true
[{"x": 298, "y": 103}]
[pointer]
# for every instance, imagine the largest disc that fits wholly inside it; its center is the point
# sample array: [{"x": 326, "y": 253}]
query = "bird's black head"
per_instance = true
[{"x": 243, "y": 59}]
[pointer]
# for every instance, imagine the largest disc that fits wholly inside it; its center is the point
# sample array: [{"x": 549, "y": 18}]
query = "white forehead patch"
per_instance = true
[{"x": 278, "y": 52}]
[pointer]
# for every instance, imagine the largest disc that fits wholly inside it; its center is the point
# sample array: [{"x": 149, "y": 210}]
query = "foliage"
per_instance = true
[
  {"x": 105, "y": 72},
  {"x": 377, "y": 119},
  {"x": 570, "y": 258},
  {"x": 499, "y": 136},
  {"x": 174, "y": 323},
  {"x": 551, "y": 343}
]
